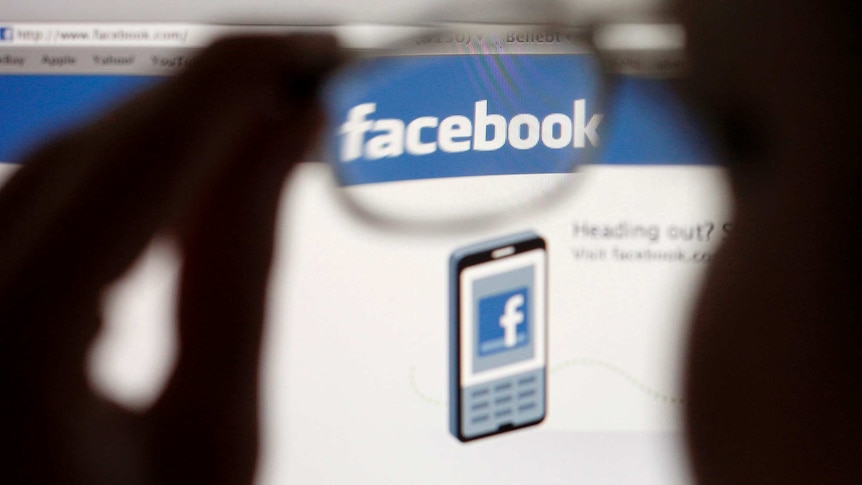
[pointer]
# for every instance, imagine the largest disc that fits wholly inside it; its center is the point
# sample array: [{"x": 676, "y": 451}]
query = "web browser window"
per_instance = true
[{"x": 372, "y": 334}]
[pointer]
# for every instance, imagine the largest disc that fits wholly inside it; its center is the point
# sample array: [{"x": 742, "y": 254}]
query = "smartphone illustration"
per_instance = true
[{"x": 498, "y": 336}]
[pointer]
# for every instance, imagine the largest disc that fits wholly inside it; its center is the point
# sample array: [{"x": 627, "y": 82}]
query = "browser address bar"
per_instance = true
[
  {"x": 177, "y": 34},
  {"x": 113, "y": 35}
]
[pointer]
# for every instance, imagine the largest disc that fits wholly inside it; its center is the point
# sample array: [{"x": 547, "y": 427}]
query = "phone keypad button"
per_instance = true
[{"x": 508, "y": 402}]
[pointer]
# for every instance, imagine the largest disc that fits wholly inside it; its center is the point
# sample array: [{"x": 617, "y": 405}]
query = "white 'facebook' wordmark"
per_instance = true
[
  {"x": 454, "y": 134},
  {"x": 510, "y": 319}
]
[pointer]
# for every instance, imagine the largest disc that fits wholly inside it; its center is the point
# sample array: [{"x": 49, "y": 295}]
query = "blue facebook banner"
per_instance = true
[
  {"x": 35, "y": 107},
  {"x": 538, "y": 102},
  {"x": 504, "y": 322},
  {"x": 405, "y": 118}
]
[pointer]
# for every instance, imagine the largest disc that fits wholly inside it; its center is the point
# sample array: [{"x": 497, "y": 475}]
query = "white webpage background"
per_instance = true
[
  {"x": 355, "y": 367},
  {"x": 357, "y": 351}
]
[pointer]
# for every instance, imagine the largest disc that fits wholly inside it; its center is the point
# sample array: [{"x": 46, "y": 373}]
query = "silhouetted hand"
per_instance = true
[{"x": 203, "y": 156}]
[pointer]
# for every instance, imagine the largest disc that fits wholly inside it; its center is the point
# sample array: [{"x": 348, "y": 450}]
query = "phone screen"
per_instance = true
[{"x": 500, "y": 357}]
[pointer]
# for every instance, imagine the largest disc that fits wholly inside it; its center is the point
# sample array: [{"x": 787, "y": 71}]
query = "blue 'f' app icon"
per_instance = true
[{"x": 503, "y": 322}]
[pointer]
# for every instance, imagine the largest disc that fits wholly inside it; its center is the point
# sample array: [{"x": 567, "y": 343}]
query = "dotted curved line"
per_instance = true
[
  {"x": 648, "y": 390},
  {"x": 419, "y": 393}
]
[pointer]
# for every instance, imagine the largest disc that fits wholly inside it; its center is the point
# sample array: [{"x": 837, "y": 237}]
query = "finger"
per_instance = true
[
  {"x": 107, "y": 187},
  {"x": 206, "y": 423},
  {"x": 80, "y": 211}
]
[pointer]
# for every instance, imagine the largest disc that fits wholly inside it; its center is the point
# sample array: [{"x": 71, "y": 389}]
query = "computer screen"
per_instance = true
[{"x": 543, "y": 348}]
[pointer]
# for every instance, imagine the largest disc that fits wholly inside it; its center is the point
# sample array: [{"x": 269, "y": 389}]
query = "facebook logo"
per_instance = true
[
  {"x": 429, "y": 117},
  {"x": 504, "y": 322},
  {"x": 5, "y": 33}
]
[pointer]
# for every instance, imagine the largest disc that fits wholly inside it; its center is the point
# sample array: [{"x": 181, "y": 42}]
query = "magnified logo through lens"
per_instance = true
[{"x": 465, "y": 125}]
